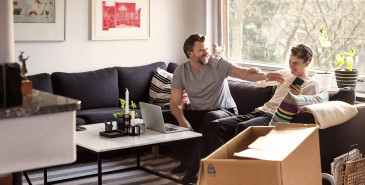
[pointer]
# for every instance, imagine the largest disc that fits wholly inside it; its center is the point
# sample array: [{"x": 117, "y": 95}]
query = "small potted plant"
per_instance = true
[
  {"x": 122, "y": 105},
  {"x": 346, "y": 76},
  {"x": 120, "y": 116}
]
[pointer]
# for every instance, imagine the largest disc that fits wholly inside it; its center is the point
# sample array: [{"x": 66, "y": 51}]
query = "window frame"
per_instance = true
[{"x": 267, "y": 67}]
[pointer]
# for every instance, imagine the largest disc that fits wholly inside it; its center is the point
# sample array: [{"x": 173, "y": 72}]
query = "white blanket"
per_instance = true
[{"x": 328, "y": 114}]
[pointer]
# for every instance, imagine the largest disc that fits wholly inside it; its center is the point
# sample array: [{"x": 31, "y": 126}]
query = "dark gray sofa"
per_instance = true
[{"x": 100, "y": 90}]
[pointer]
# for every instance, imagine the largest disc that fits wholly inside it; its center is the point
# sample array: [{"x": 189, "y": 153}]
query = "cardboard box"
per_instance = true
[{"x": 288, "y": 154}]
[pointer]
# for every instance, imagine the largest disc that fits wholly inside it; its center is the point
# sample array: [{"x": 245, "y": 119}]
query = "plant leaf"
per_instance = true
[
  {"x": 133, "y": 105},
  {"x": 352, "y": 52},
  {"x": 350, "y": 62},
  {"x": 122, "y": 103},
  {"x": 338, "y": 63}
]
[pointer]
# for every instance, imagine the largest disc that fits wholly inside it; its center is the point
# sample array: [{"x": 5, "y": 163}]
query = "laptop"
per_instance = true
[{"x": 152, "y": 117}]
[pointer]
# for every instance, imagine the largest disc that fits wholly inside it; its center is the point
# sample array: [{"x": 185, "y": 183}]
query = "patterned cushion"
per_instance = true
[
  {"x": 160, "y": 88},
  {"x": 291, "y": 104},
  {"x": 137, "y": 80}
]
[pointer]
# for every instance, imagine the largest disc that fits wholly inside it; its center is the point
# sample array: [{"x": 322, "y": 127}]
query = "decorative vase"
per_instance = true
[
  {"x": 346, "y": 78},
  {"x": 324, "y": 80}
]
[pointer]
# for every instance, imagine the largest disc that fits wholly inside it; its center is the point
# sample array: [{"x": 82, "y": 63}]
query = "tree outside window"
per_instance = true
[{"x": 265, "y": 30}]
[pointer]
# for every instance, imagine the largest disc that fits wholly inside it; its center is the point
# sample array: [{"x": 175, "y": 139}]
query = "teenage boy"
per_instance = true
[{"x": 220, "y": 131}]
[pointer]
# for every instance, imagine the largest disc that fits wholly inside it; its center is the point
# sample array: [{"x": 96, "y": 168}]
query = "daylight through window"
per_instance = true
[{"x": 264, "y": 30}]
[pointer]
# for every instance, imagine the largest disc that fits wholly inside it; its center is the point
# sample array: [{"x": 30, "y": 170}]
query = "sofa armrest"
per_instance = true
[{"x": 336, "y": 140}]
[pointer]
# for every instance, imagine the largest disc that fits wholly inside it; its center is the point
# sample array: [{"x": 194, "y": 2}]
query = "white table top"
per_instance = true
[{"x": 91, "y": 139}]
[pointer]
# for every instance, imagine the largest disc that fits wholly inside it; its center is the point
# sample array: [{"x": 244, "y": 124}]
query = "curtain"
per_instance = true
[{"x": 214, "y": 22}]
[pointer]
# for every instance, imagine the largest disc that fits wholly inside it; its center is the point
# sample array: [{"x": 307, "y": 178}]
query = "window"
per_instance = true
[{"x": 263, "y": 31}]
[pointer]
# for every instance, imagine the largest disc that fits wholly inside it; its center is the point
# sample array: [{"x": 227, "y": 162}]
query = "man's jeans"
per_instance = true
[
  {"x": 219, "y": 132},
  {"x": 187, "y": 151}
]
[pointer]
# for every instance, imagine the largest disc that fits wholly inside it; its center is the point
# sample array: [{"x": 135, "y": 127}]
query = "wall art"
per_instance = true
[
  {"x": 120, "y": 19},
  {"x": 39, "y": 20}
]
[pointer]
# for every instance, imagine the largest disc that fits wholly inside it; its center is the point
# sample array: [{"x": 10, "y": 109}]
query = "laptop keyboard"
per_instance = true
[{"x": 170, "y": 129}]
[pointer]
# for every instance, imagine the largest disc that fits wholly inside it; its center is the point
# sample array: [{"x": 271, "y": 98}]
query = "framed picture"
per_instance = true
[
  {"x": 120, "y": 19},
  {"x": 39, "y": 20}
]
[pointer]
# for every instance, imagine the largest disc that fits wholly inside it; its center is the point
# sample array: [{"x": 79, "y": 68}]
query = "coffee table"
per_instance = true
[{"x": 90, "y": 140}]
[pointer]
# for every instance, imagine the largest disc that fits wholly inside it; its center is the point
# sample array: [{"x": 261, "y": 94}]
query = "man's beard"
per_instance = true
[{"x": 202, "y": 62}]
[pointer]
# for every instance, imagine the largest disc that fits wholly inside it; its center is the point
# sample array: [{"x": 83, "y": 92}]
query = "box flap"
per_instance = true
[
  {"x": 240, "y": 142},
  {"x": 278, "y": 143}
]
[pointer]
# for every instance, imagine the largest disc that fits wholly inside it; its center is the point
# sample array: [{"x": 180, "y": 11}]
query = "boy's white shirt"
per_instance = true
[{"x": 309, "y": 87}]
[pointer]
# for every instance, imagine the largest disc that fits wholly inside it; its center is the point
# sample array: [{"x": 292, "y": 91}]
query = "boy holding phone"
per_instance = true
[{"x": 296, "y": 81}]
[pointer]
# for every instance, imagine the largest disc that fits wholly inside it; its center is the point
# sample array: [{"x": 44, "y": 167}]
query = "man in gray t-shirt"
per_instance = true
[
  {"x": 209, "y": 90},
  {"x": 205, "y": 80}
]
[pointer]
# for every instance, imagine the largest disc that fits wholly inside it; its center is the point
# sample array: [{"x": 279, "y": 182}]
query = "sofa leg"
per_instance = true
[{"x": 155, "y": 150}]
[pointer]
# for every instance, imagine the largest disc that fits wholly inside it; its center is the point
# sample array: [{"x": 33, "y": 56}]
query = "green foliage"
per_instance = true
[
  {"x": 341, "y": 58},
  {"x": 323, "y": 38},
  {"x": 344, "y": 58},
  {"x": 122, "y": 105}
]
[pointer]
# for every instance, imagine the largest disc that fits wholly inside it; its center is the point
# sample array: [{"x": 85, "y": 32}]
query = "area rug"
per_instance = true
[{"x": 135, "y": 177}]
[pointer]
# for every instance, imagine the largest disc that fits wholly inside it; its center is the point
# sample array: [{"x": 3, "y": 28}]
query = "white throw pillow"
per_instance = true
[{"x": 160, "y": 88}]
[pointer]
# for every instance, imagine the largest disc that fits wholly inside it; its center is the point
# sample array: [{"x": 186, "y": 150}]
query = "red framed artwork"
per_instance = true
[{"x": 120, "y": 19}]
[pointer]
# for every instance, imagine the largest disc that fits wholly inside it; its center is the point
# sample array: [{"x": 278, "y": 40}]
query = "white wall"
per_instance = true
[{"x": 171, "y": 22}]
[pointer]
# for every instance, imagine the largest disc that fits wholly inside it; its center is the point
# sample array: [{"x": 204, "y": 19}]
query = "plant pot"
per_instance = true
[
  {"x": 346, "y": 78},
  {"x": 324, "y": 80}
]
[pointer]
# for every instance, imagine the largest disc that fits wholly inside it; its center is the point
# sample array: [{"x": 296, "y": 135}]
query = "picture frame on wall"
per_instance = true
[
  {"x": 120, "y": 19},
  {"x": 39, "y": 20}
]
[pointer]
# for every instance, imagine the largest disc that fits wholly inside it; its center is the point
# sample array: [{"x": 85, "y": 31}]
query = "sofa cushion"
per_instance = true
[
  {"x": 289, "y": 106},
  {"x": 247, "y": 96},
  {"x": 160, "y": 88},
  {"x": 346, "y": 94},
  {"x": 171, "y": 67},
  {"x": 100, "y": 115},
  {"x": 137, "y": 80},
  {"x": 42, "y": 82},
  {"x": 95, "y": 89}
]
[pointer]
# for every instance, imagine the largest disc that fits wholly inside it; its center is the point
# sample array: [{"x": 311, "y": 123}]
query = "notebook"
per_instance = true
[{"x": 152, "y": 117}]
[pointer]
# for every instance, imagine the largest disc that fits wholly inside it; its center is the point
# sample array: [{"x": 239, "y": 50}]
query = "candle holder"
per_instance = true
[
  {"x": 120, "y": 124},
  {"x": 127, "y": 123},
  {"x": 108, "y": 126},
  {"x": 135, "y": 130},
  {"x": 110, "y": 133}
]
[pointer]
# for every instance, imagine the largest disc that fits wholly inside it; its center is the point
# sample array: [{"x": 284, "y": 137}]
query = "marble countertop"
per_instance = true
[{"x": 40, "y": 103}]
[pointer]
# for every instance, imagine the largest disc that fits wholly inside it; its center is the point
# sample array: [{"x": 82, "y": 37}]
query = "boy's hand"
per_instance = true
[
  {"x": 275, "y": 77},
  {"x": 295, "y": 89}
]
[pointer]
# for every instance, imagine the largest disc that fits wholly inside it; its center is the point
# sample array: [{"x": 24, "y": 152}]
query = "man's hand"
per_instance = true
[
  {"x": 176, "y": 107},
  {"x": 186, "y": 124},
  {"x": 274, "y": 77},
  {"x": 295, "y": 89}
]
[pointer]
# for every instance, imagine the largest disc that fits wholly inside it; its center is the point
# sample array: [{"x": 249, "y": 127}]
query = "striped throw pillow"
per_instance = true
[
  {"x": 160, "y": 88},
  {"x": 291, "y": 104}
]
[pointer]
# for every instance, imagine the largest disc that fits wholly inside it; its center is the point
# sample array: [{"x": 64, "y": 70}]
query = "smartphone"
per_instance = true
[{"x": 298, "y": 81}]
